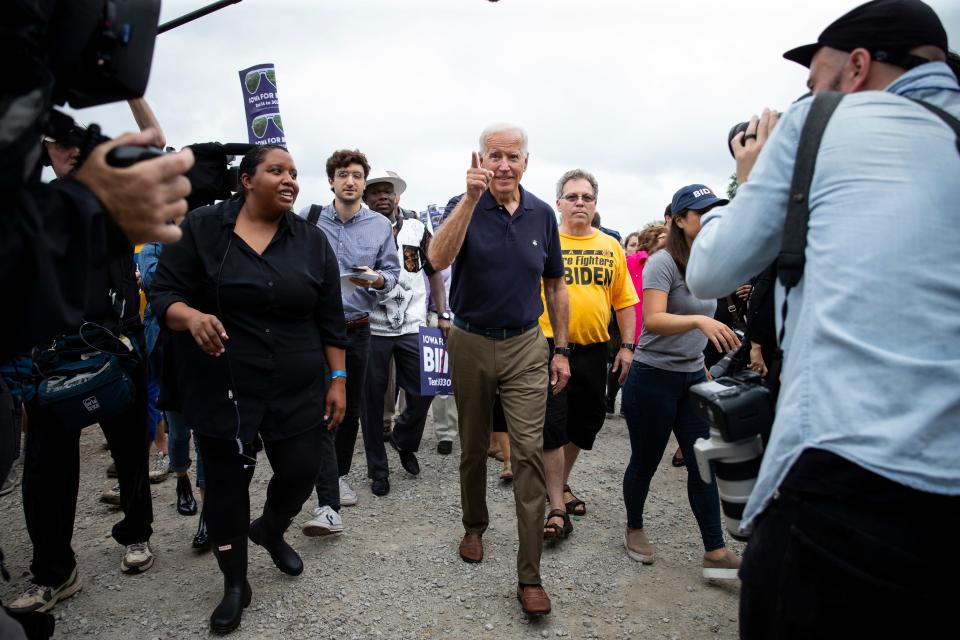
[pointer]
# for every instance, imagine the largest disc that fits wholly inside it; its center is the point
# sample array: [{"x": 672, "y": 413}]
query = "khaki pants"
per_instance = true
[{"x": 518, "y": 366}]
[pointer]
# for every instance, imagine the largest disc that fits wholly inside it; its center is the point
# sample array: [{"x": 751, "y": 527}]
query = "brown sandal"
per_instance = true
[
  {"x": 575, "y": 507},
  {"x": 507, "y": 474},
  {"x": 554, "y": 531}
]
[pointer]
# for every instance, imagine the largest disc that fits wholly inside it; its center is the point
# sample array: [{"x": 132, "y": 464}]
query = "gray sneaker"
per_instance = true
[
  {"x": 348, "y": 497},
  {"x": 111, "y": 495},
  {"x": 159, "y": 467},
  {"x": 137, "y": 558},
  {"x": 41, "y": 598}
]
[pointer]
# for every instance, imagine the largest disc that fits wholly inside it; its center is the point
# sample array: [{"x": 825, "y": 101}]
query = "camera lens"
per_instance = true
[{"x": 734, "y": 130}]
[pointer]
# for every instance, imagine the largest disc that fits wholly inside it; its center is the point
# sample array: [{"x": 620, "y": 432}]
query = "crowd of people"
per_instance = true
[{"x": 289, "y": 332}]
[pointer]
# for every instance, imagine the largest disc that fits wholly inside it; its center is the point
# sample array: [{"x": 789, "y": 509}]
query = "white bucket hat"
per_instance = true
[{"x": 399, "y": 185}]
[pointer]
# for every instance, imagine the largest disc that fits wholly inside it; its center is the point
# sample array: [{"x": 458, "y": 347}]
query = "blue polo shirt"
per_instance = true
[{"x": 496, "y": 275}]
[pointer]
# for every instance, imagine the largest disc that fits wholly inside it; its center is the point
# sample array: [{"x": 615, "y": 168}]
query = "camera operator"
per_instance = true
[
  {"x": 55, "y": 240},
  {"x": 857, "y": 503}
]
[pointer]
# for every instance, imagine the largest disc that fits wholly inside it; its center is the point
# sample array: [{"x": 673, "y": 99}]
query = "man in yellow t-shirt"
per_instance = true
[{"x": 595, "y": 271}]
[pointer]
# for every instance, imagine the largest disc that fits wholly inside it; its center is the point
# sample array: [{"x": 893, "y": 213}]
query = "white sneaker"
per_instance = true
[
  {"x": 348, "y": 497},
  {"x": 137, "y": 558},
  {"x": 325, "y": 522}
]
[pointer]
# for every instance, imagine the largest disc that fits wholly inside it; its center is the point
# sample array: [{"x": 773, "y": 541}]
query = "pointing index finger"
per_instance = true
[{"x": 474, "y": 161}]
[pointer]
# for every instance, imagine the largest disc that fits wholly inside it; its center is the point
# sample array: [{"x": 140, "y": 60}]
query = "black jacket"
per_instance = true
[{"x": 279, "y": 309}]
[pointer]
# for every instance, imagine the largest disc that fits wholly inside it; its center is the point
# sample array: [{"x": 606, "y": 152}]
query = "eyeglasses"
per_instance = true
[
  {"x": 343, "y": 174},
  {"x": 586, "y": 197},
  {"x": 259, "y": 124},
  {"x": 252, "y": 80}
]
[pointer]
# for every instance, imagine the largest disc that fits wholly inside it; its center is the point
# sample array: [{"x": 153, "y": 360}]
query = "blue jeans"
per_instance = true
[
  {"x": 654, "y": 404},
  {"x": 178, "y": 445}
]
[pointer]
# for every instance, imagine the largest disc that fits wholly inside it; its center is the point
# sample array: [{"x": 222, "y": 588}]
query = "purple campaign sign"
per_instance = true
[
  {"x": 262, "y": 106},
  {"x": 434, "y": 364}
]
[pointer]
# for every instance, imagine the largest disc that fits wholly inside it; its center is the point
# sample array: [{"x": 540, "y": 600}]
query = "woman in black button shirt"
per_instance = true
[{"x": 251, "y": 294}]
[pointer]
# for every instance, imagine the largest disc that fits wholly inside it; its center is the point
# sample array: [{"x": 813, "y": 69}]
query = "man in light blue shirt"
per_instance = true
[
  {"x": 857, "y": 504},
  {"x": 363, "y": 243}
]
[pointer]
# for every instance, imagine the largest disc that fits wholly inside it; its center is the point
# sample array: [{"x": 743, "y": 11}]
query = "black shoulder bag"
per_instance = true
[{"x": 314, "y": 215}]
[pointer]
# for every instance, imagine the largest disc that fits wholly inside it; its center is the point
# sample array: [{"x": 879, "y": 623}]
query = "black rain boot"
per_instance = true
[
  {"x": 232, "y": 558},
  {"x": 186, "y": 503},
  {"x": 201, "y": 541},
  {"x": 267, "y": 531}
]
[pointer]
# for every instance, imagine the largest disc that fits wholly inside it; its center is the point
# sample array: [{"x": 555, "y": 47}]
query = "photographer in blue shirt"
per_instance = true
[{"x": 857, "y": 504}]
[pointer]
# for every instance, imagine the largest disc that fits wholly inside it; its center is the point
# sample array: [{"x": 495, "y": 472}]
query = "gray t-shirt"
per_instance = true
[{"x": 682, "y": 352}]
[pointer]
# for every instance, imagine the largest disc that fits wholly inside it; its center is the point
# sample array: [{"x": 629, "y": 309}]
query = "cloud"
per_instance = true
[{"x": 641, "y": 94}]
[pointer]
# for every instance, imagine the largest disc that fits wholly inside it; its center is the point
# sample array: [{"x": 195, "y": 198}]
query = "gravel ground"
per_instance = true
[{"x": 394, "y": 572}]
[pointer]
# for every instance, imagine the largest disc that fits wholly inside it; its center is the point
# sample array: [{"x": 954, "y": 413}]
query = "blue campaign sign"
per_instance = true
[
  {"x": 434, "y": 364},
  {"x": 262, "y": 105}
]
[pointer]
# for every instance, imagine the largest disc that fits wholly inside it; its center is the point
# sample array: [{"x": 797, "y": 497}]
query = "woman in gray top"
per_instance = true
[{"x": 668, "y": 360}]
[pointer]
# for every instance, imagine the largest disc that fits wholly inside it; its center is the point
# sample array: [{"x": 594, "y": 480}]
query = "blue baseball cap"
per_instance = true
[{"x": 695, "y": 196}]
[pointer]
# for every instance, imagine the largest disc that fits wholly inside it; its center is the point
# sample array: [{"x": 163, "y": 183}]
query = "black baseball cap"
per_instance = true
[
  {"x": 695, "y": 196},
  {"x": 888, "y": 29}
]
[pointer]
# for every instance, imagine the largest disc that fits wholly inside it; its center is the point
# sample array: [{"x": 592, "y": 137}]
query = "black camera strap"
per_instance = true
[
  {"x": 791, "y": 261},
  {"x": 314, "y": 215},
  {"x": 948, "y": 119}
]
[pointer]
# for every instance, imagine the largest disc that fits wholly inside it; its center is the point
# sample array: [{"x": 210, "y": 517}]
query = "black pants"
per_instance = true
[
  {"x": 613, "y": 387},
  {"x": 358, "y": 347},
  {"x": 408, "y": 428},
  {"x": 844, "y": 553},
  {"x": 226, "y": 504},
  {"x": 51, "y": 480},
  {"x": 9, "y": 431}
]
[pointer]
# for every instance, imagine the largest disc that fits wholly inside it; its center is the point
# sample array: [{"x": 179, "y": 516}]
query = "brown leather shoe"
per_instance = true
[
  {"x": 533, "y": 599},
  {"x": 471, "y": 547}
]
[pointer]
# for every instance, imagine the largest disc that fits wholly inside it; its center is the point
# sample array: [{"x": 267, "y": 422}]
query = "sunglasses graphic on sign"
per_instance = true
[
  {"x": 260, "y": 123},
  {"x": 252, "y": 80}
]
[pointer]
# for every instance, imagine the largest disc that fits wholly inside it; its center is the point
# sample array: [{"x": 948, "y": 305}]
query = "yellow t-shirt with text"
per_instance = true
[{"x": 595, "y": 270}]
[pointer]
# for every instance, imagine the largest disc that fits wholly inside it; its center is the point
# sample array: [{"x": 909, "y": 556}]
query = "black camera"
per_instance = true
[
  {"x": 101, "y": 52},
  {"x": 211, "y": 178},
  {"x": 734, "y": 130},
  {"x": 739, "y": 408},
  {"x": 742, "y": 127}
]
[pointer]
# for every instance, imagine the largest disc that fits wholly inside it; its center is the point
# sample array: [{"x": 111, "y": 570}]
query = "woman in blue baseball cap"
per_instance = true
[{"x": 668, "y": 361}]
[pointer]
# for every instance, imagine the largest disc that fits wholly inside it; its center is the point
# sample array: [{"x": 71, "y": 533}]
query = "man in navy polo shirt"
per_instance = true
[{"x": 505, "y": 242}]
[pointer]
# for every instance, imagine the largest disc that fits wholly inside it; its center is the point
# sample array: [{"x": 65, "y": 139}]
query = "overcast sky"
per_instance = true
[{"x": 641, "y": 94}]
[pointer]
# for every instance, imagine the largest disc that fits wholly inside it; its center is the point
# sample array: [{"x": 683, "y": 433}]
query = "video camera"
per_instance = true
[
  {"x": 101, "y": 51},
  {"x": 739, "y": 408}
]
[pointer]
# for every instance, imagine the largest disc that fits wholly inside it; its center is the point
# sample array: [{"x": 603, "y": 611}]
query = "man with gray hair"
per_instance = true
[
  {"x": 595, "y": 272},
  {"x": 505, "y": 241}
]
